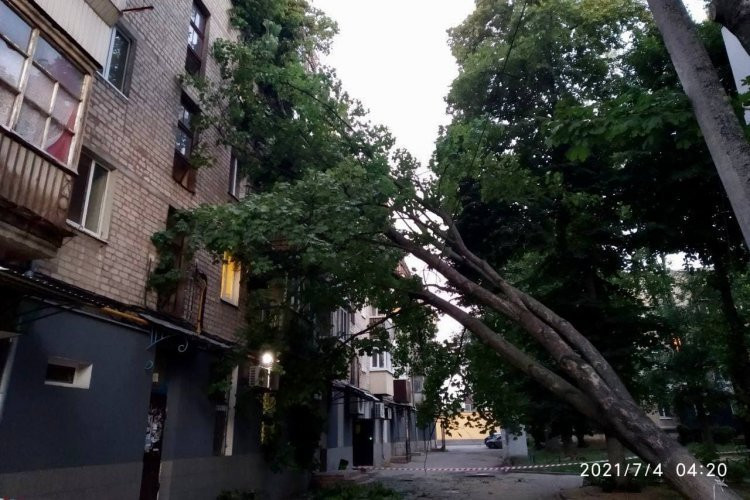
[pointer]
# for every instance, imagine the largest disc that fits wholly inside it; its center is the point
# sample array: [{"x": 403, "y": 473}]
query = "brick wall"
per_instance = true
[{"x": 135, "y": 136}]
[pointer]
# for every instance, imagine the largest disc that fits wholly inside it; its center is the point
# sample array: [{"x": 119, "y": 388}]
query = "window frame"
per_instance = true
[
  {"x": 105, "y": 209},
  {"x": 229, "y": 264},
  {"x": 236, "y": 180},
  {"x": 20, "y": 90},
  {"x": 202, "y": 36},
  {"x": 182, "y": 172},
  {"x": 105, "y": 73},
  {"x": 377, "y": 365},
  {"x": 81, "y": 375}
]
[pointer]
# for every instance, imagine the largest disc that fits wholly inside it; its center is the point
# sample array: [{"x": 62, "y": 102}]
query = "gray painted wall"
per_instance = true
[
  {"x": 205, "y": 478},
  {"x": 188, "y": 429},
  {"x": 45, "y": 426}
]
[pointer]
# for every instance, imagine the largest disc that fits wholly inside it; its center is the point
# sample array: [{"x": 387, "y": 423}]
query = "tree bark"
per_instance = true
[
  {"x": 616, "y": 457},
  {"x": 596, "y": 390},
  {"x": 720, "y": 126},
  {"x": 734, "y": 15},
  {"x": 618, "y": 416}
]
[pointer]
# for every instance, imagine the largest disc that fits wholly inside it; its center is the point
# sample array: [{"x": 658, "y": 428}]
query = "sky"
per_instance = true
[{"x": 393, "y": 55}]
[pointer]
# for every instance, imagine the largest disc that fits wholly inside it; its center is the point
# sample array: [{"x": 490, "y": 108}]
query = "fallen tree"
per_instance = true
[{"x": 333, "y": 199}]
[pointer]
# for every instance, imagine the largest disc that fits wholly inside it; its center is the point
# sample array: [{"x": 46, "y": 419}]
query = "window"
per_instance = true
[
  {"x": 89, "y": 200},
  {"x": 68, "y": 373},
  {"x": 173, "y": 303},
  {"x": 230, "y": 280},
  {"x": 182, "y": 171},
  {"x": 237, "y": 182},
  {"x": 118, "y": 59},
  {"x": 340, "y": 322},
  {"x": 381, "y": 360},
  {"x": 196, "y": 39},
  {"x": 41, "y": 91}
]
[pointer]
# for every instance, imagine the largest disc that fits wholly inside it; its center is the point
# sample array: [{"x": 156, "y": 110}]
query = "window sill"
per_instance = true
[
  {"x": 666, "y": 418},
  {"x": 85, "y": 231},
  {"x": 230, "y": 303}
]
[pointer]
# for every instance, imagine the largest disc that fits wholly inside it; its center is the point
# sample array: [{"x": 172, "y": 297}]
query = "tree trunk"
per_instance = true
[
  {"x": 704, "y": 420},
  {"x": 620, "y": 416},
  {"x": 720, "y": 126},
  {"x": 616, "y": 457},
  {"x": 734, "y": 15}
]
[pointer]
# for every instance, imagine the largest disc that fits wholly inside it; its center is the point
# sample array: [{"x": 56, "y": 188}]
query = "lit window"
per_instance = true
[
  {"x": 44, "y": 88},
  {"x": 230, "y": 280},
  {"x": 68, "y": 373},
  {"x": 118, "y": 59},
  {"x": 196, "y": 39},
  {"x": 88, "y": 201}
]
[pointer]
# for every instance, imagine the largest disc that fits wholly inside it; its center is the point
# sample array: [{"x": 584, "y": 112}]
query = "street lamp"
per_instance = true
[{"x": 266, "y": 359}]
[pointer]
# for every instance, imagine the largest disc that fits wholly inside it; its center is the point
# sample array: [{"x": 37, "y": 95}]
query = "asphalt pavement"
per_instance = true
[{"x": 469, "y": 471}]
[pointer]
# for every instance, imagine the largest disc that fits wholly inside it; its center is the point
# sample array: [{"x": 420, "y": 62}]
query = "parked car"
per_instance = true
[{"x": 494, "y": 441}]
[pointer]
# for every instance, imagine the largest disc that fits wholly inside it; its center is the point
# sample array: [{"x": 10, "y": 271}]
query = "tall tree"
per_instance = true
[
  {"x": 354, "y": 207},
  {"x": 720, "y": 126}
]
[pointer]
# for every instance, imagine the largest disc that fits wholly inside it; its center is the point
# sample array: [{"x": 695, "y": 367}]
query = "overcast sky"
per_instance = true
[{"x": 393, "y": 55}]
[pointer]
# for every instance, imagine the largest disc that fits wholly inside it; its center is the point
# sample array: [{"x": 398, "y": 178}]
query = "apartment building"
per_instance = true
[
  {"x": 103, "y": 383},
  {"x": 372, "y": 414}
]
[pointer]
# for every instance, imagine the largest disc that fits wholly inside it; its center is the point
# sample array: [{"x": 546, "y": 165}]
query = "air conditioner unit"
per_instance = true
[
  {"x": 378, "y": 410},
  {"x": 259, "y": 376},
  {"x": 357, "y": 406}
]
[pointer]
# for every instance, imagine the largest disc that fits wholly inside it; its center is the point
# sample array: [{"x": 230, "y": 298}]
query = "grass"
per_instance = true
[{"x": 353, "y": 491}]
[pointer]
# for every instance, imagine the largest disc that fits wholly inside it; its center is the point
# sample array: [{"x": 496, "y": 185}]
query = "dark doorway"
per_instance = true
[
  {"x": 157, "y": 415},
  {"x": 362, "y": 442}
]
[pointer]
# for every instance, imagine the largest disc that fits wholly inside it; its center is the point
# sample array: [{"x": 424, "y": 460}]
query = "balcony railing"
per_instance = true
[{"x": 34, "y": 199}]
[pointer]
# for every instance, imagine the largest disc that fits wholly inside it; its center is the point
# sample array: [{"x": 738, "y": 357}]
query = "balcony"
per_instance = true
[
  {"x": 34, "y": 199},
  {"x": 189, "y": 301}
]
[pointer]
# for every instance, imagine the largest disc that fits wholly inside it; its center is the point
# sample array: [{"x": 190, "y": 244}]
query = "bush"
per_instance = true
[
  {"x": 705, "y": 453},
  {"x": 687, "y": 435},
  {"x": 723, "y": 434},
  {"x": 736, "y": 472}
]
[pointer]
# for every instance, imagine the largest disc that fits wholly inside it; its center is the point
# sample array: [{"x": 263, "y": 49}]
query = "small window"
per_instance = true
[
  {"x": 118, "y": 59},
  {"x": 340, "y": 323},
  {"x": 68, "y": 373},
  {"x": 380, "y": 360},
  {"x": 88, "y": 202},
  {"x": 182, "y": 171},
  {"x": 230, "y": 280},
  {"x": 237, "y": 181},
  {"x": 196, "y": 39}
]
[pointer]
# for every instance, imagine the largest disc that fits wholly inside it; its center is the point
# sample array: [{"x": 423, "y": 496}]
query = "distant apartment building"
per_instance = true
[
  {"x": 103, "y": 383},
  {"x": 372, "y": 414}
]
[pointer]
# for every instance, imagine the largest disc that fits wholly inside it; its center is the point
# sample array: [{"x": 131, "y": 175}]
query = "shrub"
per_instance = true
[{"x": 723, "y": 434}]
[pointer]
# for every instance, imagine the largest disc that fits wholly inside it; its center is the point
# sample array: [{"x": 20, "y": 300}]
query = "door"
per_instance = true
[
  {"x": 157, "y": 415},
  {"x": 362, "y": 442}
]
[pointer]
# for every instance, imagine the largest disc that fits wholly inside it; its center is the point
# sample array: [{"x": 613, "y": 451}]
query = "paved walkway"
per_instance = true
[{"x": 470, "y": 471}]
